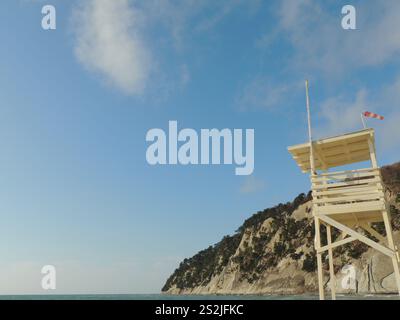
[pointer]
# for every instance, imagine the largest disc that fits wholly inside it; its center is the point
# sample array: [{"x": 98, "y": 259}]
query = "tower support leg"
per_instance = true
[
  {"x": 331, "y": 269},
  {"x": 389, "y": 235},
  {"x": 319, "y": 259}
]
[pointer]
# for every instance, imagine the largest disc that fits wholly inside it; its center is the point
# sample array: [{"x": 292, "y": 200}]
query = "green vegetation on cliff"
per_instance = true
[{"x": 199, "y": 269}]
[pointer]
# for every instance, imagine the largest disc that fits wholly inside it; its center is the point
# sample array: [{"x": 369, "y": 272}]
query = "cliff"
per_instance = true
[{"x": 273, "y": 253}]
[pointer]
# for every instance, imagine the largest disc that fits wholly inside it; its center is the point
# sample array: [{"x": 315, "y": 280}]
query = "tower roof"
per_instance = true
[{"x": 334, "y": 151}]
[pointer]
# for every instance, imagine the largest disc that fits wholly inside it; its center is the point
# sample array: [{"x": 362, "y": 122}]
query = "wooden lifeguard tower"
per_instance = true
[{"x": 349, "y": 201}]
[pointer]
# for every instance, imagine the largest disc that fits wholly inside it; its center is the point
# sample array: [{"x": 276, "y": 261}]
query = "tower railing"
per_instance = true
[{"x": 348, "y": 191}]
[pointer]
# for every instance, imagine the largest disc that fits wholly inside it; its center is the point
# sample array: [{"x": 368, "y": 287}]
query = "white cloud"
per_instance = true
[
  {"x": 292, "y": 11},
  {"x": 251, "y": 185},
  {"x": 387, "y": 103},
  {"x": 390, "y": 132},
  {"x": 111, "y": 38},
  {"x": 108, "y": 42},
  {"x": 340, "y": 115},
  {"x": 320, "y": 43},
  {"x": 322, "y": 49}
]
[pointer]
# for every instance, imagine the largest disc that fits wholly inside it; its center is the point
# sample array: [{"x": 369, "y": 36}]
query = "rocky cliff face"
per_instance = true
[{"x": 273, "y": 253}]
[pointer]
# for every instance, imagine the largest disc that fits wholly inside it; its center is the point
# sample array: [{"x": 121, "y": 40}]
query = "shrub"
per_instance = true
[
  {"x": 310, "y": 263},
  {"x": 279, "y": 249},
  {"x": 296, "y": 256},
  {"x": 356, "y": 249}
]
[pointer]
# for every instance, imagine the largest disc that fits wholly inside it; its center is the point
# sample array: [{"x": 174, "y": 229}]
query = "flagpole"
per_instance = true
[
  {"x": 363, "y": 121},
  {"x": 317, "y": 239},
  {"x": 312, "y": 164}
]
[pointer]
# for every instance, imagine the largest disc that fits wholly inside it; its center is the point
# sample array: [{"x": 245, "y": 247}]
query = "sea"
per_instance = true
[{"x": 190, "y": 297}]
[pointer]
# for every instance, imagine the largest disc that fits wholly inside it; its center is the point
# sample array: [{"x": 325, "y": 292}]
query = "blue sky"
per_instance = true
[{"x": 76, "y": 104}]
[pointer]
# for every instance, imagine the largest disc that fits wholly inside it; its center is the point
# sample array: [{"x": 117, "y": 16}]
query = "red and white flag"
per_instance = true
[{"x": 373, "y": 115}]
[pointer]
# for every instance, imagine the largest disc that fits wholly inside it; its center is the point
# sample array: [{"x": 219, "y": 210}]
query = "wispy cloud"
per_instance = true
[
  {"x": 183, "y": 17},
  {"x": 118, "y": 39},
  {"x": 221, "y": 9},
  {"x": 320, "y": 49},
  {"x": 184, "y": 74},
  {"x": 320, "y": 44},
  {"x": 342, "y": 114},
  {"x": 108, "y": 42},
  {"x": 251, "y": 185},
  {"x": 262, "y": 93}
]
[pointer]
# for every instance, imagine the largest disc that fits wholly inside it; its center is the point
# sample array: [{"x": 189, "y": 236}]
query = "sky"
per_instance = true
[{"x": 76, "y": 191}]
